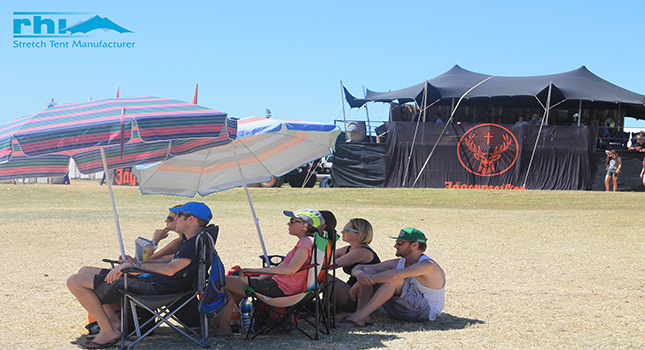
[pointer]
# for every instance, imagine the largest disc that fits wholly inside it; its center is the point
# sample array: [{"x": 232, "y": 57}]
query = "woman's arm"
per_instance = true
[
  {"x": 356, "y": 256},
  {"x": 299, "y": 258}
]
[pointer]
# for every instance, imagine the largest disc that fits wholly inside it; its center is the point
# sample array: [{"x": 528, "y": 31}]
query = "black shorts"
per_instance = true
[
  {"x": 109, "y": 293},
  {"x": 265, "y": 285}
]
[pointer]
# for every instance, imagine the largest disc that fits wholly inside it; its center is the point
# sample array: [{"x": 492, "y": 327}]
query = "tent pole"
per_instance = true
[
  {"x": 114, "y": 213},
  {"x": 452, "y": 107},
  {"x": 248, "y": 197},
  {"x": 537, "y": 138},
  {"x": 619, "y": 118},
  {"x": 369, "y": 125},
  {"x": 452, "y": 114},
  {"x": 579, "y": 112},
  {"x": 342, "y": 100},
  {"x": 416, "y": 129}
]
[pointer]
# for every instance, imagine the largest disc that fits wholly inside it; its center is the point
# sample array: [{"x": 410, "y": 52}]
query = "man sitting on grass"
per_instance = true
[
  {"x": 175, "y": 274},
  {"x": 411, "y": 288}
]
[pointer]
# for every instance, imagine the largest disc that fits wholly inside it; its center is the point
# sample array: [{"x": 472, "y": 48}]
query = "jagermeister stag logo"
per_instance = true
[{"x": 487, "y": 150}]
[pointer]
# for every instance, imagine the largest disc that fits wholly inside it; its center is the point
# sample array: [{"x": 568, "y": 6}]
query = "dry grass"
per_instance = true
[{"x": 531, "y": 269}]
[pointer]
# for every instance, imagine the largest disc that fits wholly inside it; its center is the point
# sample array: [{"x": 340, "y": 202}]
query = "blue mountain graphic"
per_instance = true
[{"x": 94, "y": 23}]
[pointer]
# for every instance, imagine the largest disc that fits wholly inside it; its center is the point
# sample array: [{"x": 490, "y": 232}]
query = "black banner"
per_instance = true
[
  {"x": 493, "y": 156},
  {"x": 358, "y": 164}
]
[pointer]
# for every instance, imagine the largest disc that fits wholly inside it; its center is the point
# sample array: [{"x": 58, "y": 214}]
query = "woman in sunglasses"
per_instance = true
[
  {"x": 358, "y": 233},
  {"x": 277, "y": 281}
]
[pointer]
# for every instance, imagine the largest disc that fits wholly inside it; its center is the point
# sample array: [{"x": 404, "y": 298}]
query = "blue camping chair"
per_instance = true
[{"x": 207, "y": 291}]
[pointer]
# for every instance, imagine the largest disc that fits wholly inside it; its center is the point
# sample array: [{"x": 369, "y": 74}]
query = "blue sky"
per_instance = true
[{"x": 289, "y": 56}]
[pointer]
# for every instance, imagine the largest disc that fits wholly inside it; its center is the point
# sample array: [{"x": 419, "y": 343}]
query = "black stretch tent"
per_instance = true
[
  {"x": 568, "y": 90},
  {"x": 565, "y": 156}
]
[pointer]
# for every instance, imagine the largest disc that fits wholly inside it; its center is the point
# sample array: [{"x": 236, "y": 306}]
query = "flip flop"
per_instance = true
[
  {"x": 347, "y": 323},
  {"x": 346, "y": 317},
  {"x": 94, "y": 345}
]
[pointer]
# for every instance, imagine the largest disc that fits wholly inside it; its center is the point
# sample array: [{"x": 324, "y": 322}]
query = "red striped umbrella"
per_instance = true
[{"x": 107, "y": 134}]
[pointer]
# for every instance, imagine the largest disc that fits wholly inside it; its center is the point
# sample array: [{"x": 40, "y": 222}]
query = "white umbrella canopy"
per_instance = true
[{"x": 264, "y": 148}]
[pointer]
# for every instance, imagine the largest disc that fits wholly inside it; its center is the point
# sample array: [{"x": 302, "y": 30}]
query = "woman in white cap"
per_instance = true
[{"x": 284, "y": 279}]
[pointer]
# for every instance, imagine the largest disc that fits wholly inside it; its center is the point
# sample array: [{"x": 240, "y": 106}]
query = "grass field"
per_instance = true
[{"x": 525, "y": 269}]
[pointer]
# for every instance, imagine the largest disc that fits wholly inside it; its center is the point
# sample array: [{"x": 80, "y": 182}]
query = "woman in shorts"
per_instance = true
[
  {"x": 278, "y": 281},
  {"x": 613, "y": 165}
]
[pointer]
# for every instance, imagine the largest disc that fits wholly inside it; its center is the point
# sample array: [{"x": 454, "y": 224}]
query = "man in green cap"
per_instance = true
[{"x": 410, "y": 288}]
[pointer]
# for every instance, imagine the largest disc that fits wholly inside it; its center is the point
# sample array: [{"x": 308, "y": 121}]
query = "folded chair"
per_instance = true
[
  {"x": 207, "y": 289},
  {"x": 296, "y": 310}
]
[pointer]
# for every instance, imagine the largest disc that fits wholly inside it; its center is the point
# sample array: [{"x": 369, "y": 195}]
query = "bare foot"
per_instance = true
[
  {"x": 222, "y": 333},
  {"x": 106, "y": 337}
]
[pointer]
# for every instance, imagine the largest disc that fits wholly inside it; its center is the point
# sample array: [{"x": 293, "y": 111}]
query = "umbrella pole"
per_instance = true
[
  {"x": 116, "y": 216},
  {"x": 255, "y": 218}
]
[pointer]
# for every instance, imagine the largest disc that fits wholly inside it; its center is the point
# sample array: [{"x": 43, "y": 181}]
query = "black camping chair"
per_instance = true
[
  {"x": 309, "y": 307},
  {"x": 164, "y": 308}
]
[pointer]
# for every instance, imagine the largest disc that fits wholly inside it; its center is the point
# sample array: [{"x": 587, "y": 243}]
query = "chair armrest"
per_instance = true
[
  {"x": 133, "y": 271},
  {"x": 274, "y": 260},
  {"x": 111, "y": 262}
]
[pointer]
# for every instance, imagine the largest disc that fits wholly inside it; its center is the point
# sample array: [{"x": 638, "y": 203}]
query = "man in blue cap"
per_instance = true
[
  {"x": 411, "y": 288},
  {"x": 172, "y": 275}
]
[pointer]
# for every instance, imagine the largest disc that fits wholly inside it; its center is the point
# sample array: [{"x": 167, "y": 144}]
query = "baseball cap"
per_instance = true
[
  {"x": 196, "y": 209},
  {"x": 412, "y": 235},
  {"x": 310, "y": 216}
]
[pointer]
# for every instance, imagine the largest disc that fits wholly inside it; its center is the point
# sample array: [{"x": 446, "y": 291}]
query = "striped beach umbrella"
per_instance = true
[
  {"x": 263, "y": 148},
  {"x": 106, "y": 134}
]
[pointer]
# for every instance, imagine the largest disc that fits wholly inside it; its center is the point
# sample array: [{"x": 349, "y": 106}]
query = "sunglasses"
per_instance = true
[
  {"x": 345, "y": 229},
  {"x": 187, "y": 215},
  {"x": 293, "y": 220},
  {"x": 170, "y": 218},
  {"x": 400, "y": 242}
]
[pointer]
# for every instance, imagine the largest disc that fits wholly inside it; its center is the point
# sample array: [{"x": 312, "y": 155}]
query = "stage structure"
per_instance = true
[{"x": 482, "y": 146}]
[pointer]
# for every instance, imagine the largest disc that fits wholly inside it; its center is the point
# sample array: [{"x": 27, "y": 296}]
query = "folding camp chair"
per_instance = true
[
  {"x": 207, "y": 289},
  {"x": 308, "y": 306}
]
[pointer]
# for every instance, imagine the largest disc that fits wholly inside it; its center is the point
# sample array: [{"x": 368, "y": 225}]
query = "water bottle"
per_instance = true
[
  {"x": 235, "y": 321},
  {"x": 246, "y": 308}
]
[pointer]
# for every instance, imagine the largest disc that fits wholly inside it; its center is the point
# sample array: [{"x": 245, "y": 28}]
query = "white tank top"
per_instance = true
[{"x": 436, "y": 297}]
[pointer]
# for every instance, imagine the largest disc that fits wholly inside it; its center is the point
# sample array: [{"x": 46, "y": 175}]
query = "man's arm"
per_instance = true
[
  {"x": 394, "y": 274},
  {"x": 376, "y": 268},
  {"x": 419, "y": 269},
  {"x": 170, "y": 249},
  {"x": 168, "y": 269}
]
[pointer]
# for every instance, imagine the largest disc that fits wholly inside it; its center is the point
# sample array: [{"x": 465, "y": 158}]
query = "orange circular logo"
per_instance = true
[{"x": 487, "y": 150}]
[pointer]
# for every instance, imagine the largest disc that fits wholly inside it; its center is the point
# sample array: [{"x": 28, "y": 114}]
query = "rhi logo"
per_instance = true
[
  {"x": 57, "y": 24},
  {"x": 487, "y": 150}
]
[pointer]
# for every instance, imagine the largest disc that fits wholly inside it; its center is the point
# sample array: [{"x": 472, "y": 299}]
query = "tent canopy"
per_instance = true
[{"x": 568, "y": 88}]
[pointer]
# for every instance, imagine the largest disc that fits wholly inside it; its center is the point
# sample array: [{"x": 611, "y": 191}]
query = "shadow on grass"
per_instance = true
[
  {"x": 447, "y": 322},
  {"x": 384, "y": 330}
]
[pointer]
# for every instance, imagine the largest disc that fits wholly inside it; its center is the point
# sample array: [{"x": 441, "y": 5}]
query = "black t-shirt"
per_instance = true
[{"x": 181, "y": 281}]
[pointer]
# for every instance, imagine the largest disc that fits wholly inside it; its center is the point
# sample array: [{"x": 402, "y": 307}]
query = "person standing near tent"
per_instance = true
[{"x": 613, "y": 165}]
